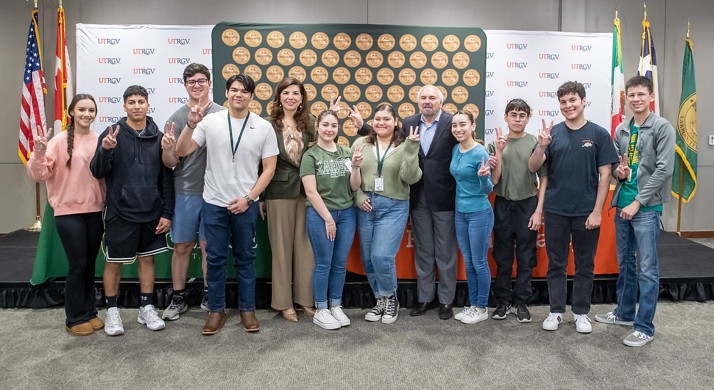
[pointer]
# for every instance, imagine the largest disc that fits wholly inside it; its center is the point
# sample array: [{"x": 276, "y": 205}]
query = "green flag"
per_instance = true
[{"x": 684, "y": 182}]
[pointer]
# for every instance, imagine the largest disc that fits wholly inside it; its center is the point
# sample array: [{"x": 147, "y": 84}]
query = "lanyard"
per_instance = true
[
  {"x": 380, "y": 161},
  {"x": 230, "y": 130}
]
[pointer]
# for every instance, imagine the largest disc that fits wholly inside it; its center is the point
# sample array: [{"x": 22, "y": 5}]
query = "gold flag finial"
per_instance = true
[
  {"x": 688, "y": 21},
  {"x": 645, "y": 4}
]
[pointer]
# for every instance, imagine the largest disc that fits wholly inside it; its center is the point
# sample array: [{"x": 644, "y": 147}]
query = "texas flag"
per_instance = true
[{"x": 648, "y": 62}]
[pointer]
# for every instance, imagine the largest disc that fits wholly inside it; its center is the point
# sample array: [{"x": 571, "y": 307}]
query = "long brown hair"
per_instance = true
[
  {"x": 471, "y": 119},
  {"x": 302, "y": 116},
  {"x": 70, "y": 125},
  {"x": 397, "y": 136}
]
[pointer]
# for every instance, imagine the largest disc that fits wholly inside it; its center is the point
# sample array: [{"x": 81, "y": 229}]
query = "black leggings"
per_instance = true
[{"x": 81, "y": 236}]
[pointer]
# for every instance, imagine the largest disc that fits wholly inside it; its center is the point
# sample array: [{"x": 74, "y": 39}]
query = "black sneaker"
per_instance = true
[
  {"x": 501, "y": 311},
  {"x": 522, "y": 313},
  {"x": 391, "y": 311}
]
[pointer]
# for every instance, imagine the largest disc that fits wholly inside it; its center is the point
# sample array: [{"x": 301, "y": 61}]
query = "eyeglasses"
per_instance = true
[
  {"x": 514, "y": 115},
  {"x": 200, "y": 82}
]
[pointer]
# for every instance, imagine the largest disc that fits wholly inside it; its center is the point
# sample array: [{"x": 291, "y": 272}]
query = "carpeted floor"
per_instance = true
[{"x": 413, "y": 353}]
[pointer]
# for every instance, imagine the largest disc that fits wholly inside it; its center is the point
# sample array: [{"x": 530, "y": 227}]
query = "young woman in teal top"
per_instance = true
[{"x": 474, "y": 215}]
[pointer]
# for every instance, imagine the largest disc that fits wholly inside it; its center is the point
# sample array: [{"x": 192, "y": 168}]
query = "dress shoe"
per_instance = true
[
  {"x": 445, "y": 311},
  {"x": 97, "y": 323},
  {"x": 420, "y": 308},
  {"x": 289, "y": 315},
  {"x": 308, "y": 310},
  {"x": 83, "y": 329},
  {"x": 250, "y": 323},
  {"x": 214, "y": 322}
]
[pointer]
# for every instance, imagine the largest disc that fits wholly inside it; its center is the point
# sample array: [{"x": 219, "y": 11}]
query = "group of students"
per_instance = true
[{"x": 216, "y": 171}]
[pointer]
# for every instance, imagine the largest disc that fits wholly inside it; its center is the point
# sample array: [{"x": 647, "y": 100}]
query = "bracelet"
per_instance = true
[{"x": 189, "y": 126}]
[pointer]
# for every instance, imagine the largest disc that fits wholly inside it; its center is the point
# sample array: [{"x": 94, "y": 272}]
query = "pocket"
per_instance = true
[{"x": 140, "y": 199}]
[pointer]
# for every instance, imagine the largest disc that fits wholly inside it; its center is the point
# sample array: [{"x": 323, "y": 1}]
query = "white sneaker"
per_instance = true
[
  {"x": 112, "y": 322},
  {"x": 324, "y": 319},
  {"x": 340, "y": 316},
  {"x": 637, "y": 339},
  {"x": 149, "y": 317},
  {"x": 462, "y": 313},
  {"x": 582, "y": 323},
  {"x": 474, "y": 316},
  {"x": 553, "y": 321}
]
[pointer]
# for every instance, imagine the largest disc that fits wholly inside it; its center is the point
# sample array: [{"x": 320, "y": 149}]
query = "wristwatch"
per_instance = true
[{"x": 249, "y": 200}]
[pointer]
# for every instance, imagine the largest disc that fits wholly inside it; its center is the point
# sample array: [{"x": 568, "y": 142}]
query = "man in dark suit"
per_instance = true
[{"x": 432, "y": 203}]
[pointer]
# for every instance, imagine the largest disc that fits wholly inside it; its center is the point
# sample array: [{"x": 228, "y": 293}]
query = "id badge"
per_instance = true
[{"x": 379, "y": 184}]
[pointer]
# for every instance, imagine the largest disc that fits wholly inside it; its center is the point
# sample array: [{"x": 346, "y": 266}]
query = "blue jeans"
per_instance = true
[
  {"x": 223, "y": 228},
  {"x": 380, "y": 236},
  {"x": 637, "y": 240},
  {"x": 473, "y": 232},
  {"x": 330, "y": 256}
]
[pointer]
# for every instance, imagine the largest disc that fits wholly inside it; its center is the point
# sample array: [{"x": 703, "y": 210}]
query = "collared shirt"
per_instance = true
[{"x": 426, "y": 133}]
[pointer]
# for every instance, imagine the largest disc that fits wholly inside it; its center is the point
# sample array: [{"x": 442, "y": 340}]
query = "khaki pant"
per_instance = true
[{"x": 293, "y": 261}]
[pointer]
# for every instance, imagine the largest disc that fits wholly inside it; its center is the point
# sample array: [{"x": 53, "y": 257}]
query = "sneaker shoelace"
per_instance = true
[
  {"x": 174, "y": 305},
  {"x": 640, "y": 335},
  {"x": 114, "y": 317},
  {"x": 150, "y": 315},
  {"x": 391, "y": 306}
]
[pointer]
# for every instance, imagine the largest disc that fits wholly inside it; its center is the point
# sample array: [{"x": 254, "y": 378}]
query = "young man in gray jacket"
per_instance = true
[{"x": 645, "y": 144}]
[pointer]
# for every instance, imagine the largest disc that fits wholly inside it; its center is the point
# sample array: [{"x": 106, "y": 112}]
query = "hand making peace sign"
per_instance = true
[{"x": 109, "y": 141}]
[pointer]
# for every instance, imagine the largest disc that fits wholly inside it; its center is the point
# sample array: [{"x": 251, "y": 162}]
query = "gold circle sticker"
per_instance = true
[
  {"x": 343, "y": 111},
  {"x": 461, "y": 60},
  {"x": 352, "y": 58},
  {"x": 330, "y": 58},
  {"x": 252, "y": 38},
  {"x": 286, "y": 57},
  {"x": 396, "y": 59},
  {"x": 363, "y": 76},
  {"x": 471, "y": 77},
  {"x": 317, "y": 107},
  {"x": 275, "y": 73},
  {"x": 429, "y": 42},
  {"x": 450, "y": 77},
  {"x": 417, "y": 59},
  {"x": 473, "y": 109},
  {"x": 374, "y": 59},
  {"x": 341, "y": 75},
  {"x": 386, "y": 42},
  {"x": 308, "y": 57},
  {"x": 472, "y": 43},
  {"x": 405, "y": 110},
  {"x": 298, "y": 40},
  {"x": 385, "y": 76},
  {"x": 428, "y": 76},
  {"x": 341, "y": 140},
  {"x": 439, "y": 60},
  {"x": 329, "y": 92},
  {"x": 254, "y": 71},
  {"x": 241, "y": 55},
  {"x": 373, "y": 93},
  {"x": 263, "y": 91},
  {"x": 229, "y": 70},
  {"x": 408, "y": 42},
  {"x": 460, "y": 95},
  {"x": 414, "y": 93},
  {"x": 275, "y": 39},
  {"x": 364, "y": 41},
  {"x": 230, "y": 37},
  {"x": 310, "y": 91},
  {"x": 319, "y": 74},
  {"x": 349, "y": 129},
  {"x": 263, "y": 56},
  {"x": 320, "y": 40},
  {"x": 407, "y": 76},
  {"x": 297, "y": 72},
  {"x": 450, "y": 108},
  {"x": 342, "y": 41},
  {"x": 395, "y": 93},
  {"x": 365, "y": 109},
  {"x": 451, "y": 42},
  {"x": 351, "y": 93},
  {"x": 255, "y": 107},
  {"x": 443, "y": 91}
]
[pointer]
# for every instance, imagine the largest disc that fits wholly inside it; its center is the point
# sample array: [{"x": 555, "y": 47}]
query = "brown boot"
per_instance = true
[
  {"x": 214, "y": 322},
  {"x": 97, "y": 323},
  {"x": 83, "y": 329},
  {"x": 250, "y": 323}
]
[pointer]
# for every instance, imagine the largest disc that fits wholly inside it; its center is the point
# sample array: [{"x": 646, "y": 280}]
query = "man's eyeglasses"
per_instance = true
[
  {"x": 514, "y": 115},
  {"x": 200, "y": 82}
]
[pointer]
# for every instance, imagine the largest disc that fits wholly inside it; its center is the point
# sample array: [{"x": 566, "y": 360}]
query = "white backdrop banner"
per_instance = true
[{"x": 530, "y": 65}]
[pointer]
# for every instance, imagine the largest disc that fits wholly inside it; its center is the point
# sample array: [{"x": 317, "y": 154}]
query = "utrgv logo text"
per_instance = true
[
  {"x": 517, "y": 46},
  {"x": 548, "y": 56},
  {"x": 514, "y": 64},
  {"x": 516, "y": 83},
  {"x": 549, "y": 113},
  {"x": 581, "y": 47},
  {"x": 109, "y": 80},
  {"x": 175, "y": 80},
  {"x": 179, "y": 60},
  {"x": 548, "y": 75},
  {"x": 109, "y": 99},
  {"x": 581, "y": 66},
  {"x": 108, "y": 41},
  {"x": 179, "y": 41},
  {"x": 178, "y": 99},
  {"x": 109, "y": 119},
  {"x": 109, "y": 60},
  {"x": 207, "y": 51},
  {"x": 144, "y": 71},
  {"x": 489, "y": 93},
  {"x": 548, "y": 94},
  {"x": 144, "y": 51}
]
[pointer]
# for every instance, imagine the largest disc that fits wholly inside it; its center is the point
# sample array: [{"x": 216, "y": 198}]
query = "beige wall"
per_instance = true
[{"x": 668, "y": 18}]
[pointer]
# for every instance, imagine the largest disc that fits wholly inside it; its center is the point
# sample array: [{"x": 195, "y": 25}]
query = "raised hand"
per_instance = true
[
  {"x": 623, "y": 169},
  {"x": 335, "y": 106},
  {"x": 501, "y": 140},
  {"x": 485, "y": 169},
  {"x": 413, "y": 133},
  {"x": 544, "y": 136},
  {"x": 355, "y": 117},
  {"x": 168, "y": 141},
  {"x": 197, "y": 112},
  {"x": 109, "y": 141},
  {"x": 357, "y": 155}
]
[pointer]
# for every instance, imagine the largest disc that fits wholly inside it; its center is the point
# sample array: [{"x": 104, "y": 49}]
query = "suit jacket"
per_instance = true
[
  {"x": 436, "y": 178},
  {"x": 286, "y": 183}
]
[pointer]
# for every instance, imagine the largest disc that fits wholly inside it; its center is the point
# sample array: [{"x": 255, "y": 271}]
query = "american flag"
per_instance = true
[{"x": 32, "y": 115}]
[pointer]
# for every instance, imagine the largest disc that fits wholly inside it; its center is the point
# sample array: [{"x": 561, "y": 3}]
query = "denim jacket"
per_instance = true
[{"x": 655, "y": 147}]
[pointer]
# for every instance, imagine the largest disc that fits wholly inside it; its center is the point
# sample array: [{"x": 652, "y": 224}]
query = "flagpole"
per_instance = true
[
  {"x": 679, "y": 200},
  {"x": 37, "y": 225}
]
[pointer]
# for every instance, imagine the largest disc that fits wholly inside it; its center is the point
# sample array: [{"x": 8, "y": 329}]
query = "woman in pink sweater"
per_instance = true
[{"x": 77, "y": 199}]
